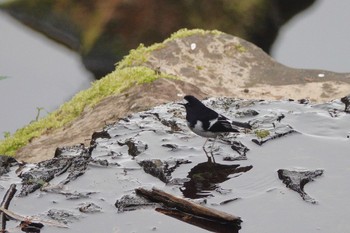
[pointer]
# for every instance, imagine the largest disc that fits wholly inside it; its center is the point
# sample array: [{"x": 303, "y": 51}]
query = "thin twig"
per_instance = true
[
  {"x": 5, "y": 205},
  {"x": 9, "y": 215}
]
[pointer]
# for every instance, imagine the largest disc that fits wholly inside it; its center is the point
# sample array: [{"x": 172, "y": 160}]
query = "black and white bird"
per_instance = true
[{"x": 207, "y": 123}]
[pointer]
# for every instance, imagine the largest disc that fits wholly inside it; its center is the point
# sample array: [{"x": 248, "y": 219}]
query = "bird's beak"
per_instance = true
[{"x": 181, "y": 103}]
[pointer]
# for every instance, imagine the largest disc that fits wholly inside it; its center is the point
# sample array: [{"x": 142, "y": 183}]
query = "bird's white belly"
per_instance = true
[{"x": 198, "y": 129}]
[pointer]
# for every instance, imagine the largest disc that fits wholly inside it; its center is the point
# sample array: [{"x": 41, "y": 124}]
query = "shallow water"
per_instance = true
[{"x": 255, "y": 194}]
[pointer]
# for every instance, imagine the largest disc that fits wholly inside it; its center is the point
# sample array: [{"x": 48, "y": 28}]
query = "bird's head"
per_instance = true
[
  {"x": 190, "y": 102},
  {"x": 193, "y": 107}
]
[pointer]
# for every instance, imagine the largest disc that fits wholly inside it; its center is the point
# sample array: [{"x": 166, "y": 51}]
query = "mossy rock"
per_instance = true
[
  {"x": 197, "y": 62},
  {"x": 128, "y": 73}
]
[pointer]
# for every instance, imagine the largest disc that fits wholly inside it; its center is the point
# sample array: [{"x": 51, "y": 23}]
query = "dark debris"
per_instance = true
[{"x": 296, "y": 180}]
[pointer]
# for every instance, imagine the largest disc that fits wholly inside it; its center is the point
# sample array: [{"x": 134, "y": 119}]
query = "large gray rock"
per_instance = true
[
  {"x": 206, "y": 63},
  {"x": 225, "y": 65}
]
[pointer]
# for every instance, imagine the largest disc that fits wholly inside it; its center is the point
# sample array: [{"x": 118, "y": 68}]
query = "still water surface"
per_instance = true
[{"x": 40, "y": 73}]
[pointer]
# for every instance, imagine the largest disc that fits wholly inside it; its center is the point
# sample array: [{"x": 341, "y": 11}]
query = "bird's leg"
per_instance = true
[
  {"x": 206, "y": 153},
  {"x": 211, "y": 149},
  {"x": 212, "y": 146},
  {"x": 204, "y": 144},
  {"x": 212, "y": 156}
]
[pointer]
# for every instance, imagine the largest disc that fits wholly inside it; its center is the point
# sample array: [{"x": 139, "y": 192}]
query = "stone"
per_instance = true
[
  {"x": 296, "y": 180},
  {"x": 31, "y": 227},
  {"x": 240, "y": 148},
  {"x": 246, "y": 113},
  {"x": 161, "y": 169},
  {"x": 5, "y": 163},
  {"x": 132, "y": 202},
  {"x": 275, "y": 133},
  {"x": 89, "y": 207},
  {"x": 99, "y": 134},
  {"x": 269, "y": 127},
  {"x": 346, "y": 100},
  {"x": 63, "y": 216},
  {"x": 73, "y": 160},
  {"x": 136, "y": 147},
  {"x": 172, "y": 147}
]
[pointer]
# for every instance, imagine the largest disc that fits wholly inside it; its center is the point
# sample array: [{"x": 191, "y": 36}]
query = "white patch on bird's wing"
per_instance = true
[
  {"x": 198, "y": 129},
  {"x": 212, "y": 122}
]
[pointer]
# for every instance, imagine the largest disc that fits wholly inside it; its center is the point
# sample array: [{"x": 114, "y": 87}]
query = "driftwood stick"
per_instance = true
[
  {"x": 189, "y": 207},
  {"x": 31, "y": 219},
  {"x": 207, "y": 224},
  {"x": 5, "y": 204},
  {"x": 6, "y": 214},
  {"x": 8, "y": 196}
]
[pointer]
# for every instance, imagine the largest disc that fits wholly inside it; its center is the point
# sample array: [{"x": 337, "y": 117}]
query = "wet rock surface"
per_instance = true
[
  {"x": 296, "y": 180},
  {"x": 6, "y": 162},
  {"x": 132, "y": 202},
  {"x": 269, "y": 127},
  {"x": 89, "y": 207},
  {"x": 64, "y": 216},
  {"x": 346, "y": 101},
  {"x": 161, "y": 169},
  {"x": 87, "y": 187},
  {"x": 219, "y": 65},
  {"x": 73, "y": 160},
  {"x": 135, "y": 147}
]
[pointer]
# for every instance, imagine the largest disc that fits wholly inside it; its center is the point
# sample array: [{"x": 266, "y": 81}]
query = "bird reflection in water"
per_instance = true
[{"x": 205, "y": 178}]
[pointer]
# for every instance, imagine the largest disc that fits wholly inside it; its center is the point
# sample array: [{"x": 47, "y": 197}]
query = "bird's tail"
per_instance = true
[{"x": 245, "y": 125}]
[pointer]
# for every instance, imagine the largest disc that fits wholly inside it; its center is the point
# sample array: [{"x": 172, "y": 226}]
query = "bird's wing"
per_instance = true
[
  {"x": 221, "y": 124},
  {"x": 241, "y": 124}
]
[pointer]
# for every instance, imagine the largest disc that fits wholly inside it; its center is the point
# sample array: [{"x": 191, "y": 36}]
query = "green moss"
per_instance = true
[
  {"x": 114, "y": 83},
  {"x": 262, "y": 133},
  {"x": 129, "y": 72},
  {"x": 240, "y": 48},
  {"x": 137, "y": 56},
  {"x": 140, "y": 55},
  {"x": 33, "y": 181},
  {"x": 199, "y": 67},
  {"x": 186, "y": 33}
]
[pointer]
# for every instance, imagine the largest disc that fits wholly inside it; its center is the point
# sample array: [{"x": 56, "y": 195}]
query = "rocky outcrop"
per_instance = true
[
  {"x": 137, "y": 98},
  {"x": 227, "y": 65},
  {"x": 104, "y": 31},
  {"x": 204, "y": 64}
]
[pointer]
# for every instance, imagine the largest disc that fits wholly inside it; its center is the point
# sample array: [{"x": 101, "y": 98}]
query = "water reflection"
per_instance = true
[{"x": 205, "y": 177}]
